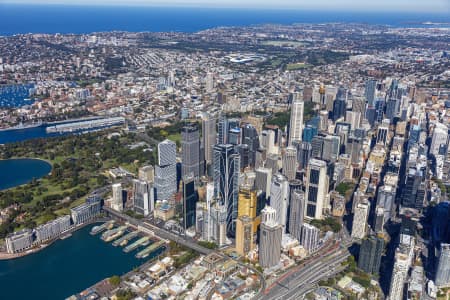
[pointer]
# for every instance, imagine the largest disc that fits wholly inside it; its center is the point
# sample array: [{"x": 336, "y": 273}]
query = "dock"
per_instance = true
[
  {"x": 136, "y": 244},
  {"x": 86, "y": 125},
  {"x": 125, "y": 239},
  {"x": 97, "y": 229},
  {"x": 111, "y": 234},
  {"x": 144, "y": 253}
]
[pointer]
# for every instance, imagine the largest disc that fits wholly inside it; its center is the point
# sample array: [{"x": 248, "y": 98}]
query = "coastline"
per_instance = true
[
  {"x": 11, "y": 256},
  {"x": 28, "y": 158}
]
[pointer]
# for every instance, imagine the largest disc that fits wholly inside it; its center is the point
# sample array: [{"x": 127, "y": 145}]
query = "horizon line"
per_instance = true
[{"x": 244, "y": 7}]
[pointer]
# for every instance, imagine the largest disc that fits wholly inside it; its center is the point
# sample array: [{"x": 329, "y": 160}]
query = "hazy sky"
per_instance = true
[{"x": 442, "y": 6}]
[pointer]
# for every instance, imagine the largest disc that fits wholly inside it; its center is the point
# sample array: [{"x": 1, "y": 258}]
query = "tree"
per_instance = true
[{"x": 114, "y": 280}]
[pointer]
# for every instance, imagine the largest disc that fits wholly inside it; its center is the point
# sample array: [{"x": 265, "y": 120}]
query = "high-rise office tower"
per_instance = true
[
  {"x": 244, "y": 153},
  {"x": 317, "y": 146},
  {"x": 371, "y": 85},
  {"x": 439, "y": 138},
  {"x": 443, "y": 266},
  {"x": 296, "y": 123},
  {"x": 359, "y": 106},
  {"x": 247, "y": 205},
  {"x": 399, "y": 275},
  {"x": 309, "y": 237},
  {"x": 297, "y": 210},
  {"x": 290, "y": 162},
  {"x": 279, "y": 198},
  {"x": 209, "y": 82},
  {"x": 304, "y": 155},
  {"x": 190, "y": 148},
  {"x": 166, "y": 170},
  {"x": 273, "y": 163},
  {"x": 391, "y": 108},
  {"x": 143, "y": 197},
  {"x": 382, "y": 134},
  {"x": 244, "y": 235},
  {"x": 339, "y": 107},
  {"x": 386, "y": 200},
  {"x": 370, "y": 254},
  {"x": 354, "y": 147},
  {"x": 263, "y": 180},
  {"x": 360, "y": 217},
  {"x": 234, "y": 136},
  {"x": 226, "y": 181},
  {"x": 219, "y": 224},
  {"x": 268, "y": 141},
  {"x": 209, "y": 136},
  {"x": 270, "y": 238},
  {"x": 316, "y": 189},
  {"x": 117, "y": 197},
  {"x": 189, "y": 201},
  {"x": 411, "y": 197},
  {"x": 147, "y": 173},
  {"x": 331, "y": 148},
  {"x": 353, "y": 118},
  {"x": 222, "y": 130},
  {"x": 250, "y": 137},
  {"x": 309, "y": 133}
]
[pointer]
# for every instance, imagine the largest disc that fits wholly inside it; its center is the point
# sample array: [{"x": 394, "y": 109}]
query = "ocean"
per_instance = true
[{"x": 21, "y": 18}]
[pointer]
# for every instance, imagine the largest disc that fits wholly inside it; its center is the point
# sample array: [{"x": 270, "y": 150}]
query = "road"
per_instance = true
[
  {"x": 298, "y": 281},
  {"x": 162, "y": 233}
]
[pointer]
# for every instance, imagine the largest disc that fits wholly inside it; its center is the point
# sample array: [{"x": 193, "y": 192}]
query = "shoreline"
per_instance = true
[
  {"x": 10, "y": 256},
  {"x": 28, "y": 181}
]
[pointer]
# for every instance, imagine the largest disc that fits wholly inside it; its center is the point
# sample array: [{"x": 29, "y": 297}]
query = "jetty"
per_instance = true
[
  {"x": 112, "y": 234},
  {"x": 144, "y": 253},
  {"x": 97, "y": 229},
  {"x": 125, "y": 239},
  {"x": 136, "y": 244}
]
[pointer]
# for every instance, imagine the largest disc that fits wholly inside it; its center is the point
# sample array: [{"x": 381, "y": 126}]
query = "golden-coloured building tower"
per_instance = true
[{"x": 247, "y": 205}]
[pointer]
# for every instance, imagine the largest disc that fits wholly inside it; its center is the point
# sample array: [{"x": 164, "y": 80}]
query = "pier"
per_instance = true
[
  {"x": 144, "y": 253},
  {"x": 125, "y": 239},
  {"x": 85, "y": 125},
  {"x": 112, "y": 234},
  {"x": 136, "y": 244},
  {"x": 97, "y": 229}
]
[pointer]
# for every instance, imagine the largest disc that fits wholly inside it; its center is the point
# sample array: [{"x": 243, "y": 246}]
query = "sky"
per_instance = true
[{"x": 441, "y": 6}]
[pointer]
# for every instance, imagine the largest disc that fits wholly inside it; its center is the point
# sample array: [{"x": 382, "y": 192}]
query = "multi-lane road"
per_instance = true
[{"x": 297, "y": 282}]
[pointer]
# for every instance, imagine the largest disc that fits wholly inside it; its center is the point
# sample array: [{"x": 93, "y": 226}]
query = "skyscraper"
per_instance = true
[
  {"x": 244, "y": 235},
  {"x": 296, "y": 123},
  {"x": 316, "y": 189},
  {"x": 226, "y": 181},
  {"x": 222, "y": 130},
  {"x": 290, "y": 162},
  {"x": 209, "y": 136},
  {"x": 263, "y": 180},
  {"x": 189, "y": 201},
  {"x": 309, "y": 237},
  {"x": 370, "y": 91},
  {"x": 399, "y": 275},
  {"x": 270, "y": 238},
  {"x": 443, "y": 267},
  {"x": 360, "y": 217},
  {"x": 166, "y": 170},
  {"x": 250, "y": 137},
  {"x": 439, "y": 138},
  {"x": 296, "y": 212},
  {"x": 143, "y": 197},
  {"x": 117, "y": 197},
  {"x": 247, "y": 204},
  {"x": 304, "y": 155},
  {"x": 190, "y": 150},
  {"x": 279, "y": 198},
  {"x": 370, "y": 254}
]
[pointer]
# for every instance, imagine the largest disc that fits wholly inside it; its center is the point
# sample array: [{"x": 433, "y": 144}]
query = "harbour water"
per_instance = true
[
  {"x": 14, "y": 172},
  {"x": 17, "y": 18},
  {"x": 64, "y": 268}
]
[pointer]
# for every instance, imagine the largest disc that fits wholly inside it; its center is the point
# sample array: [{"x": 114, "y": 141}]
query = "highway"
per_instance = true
[{"x": 298, "y": 281}]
